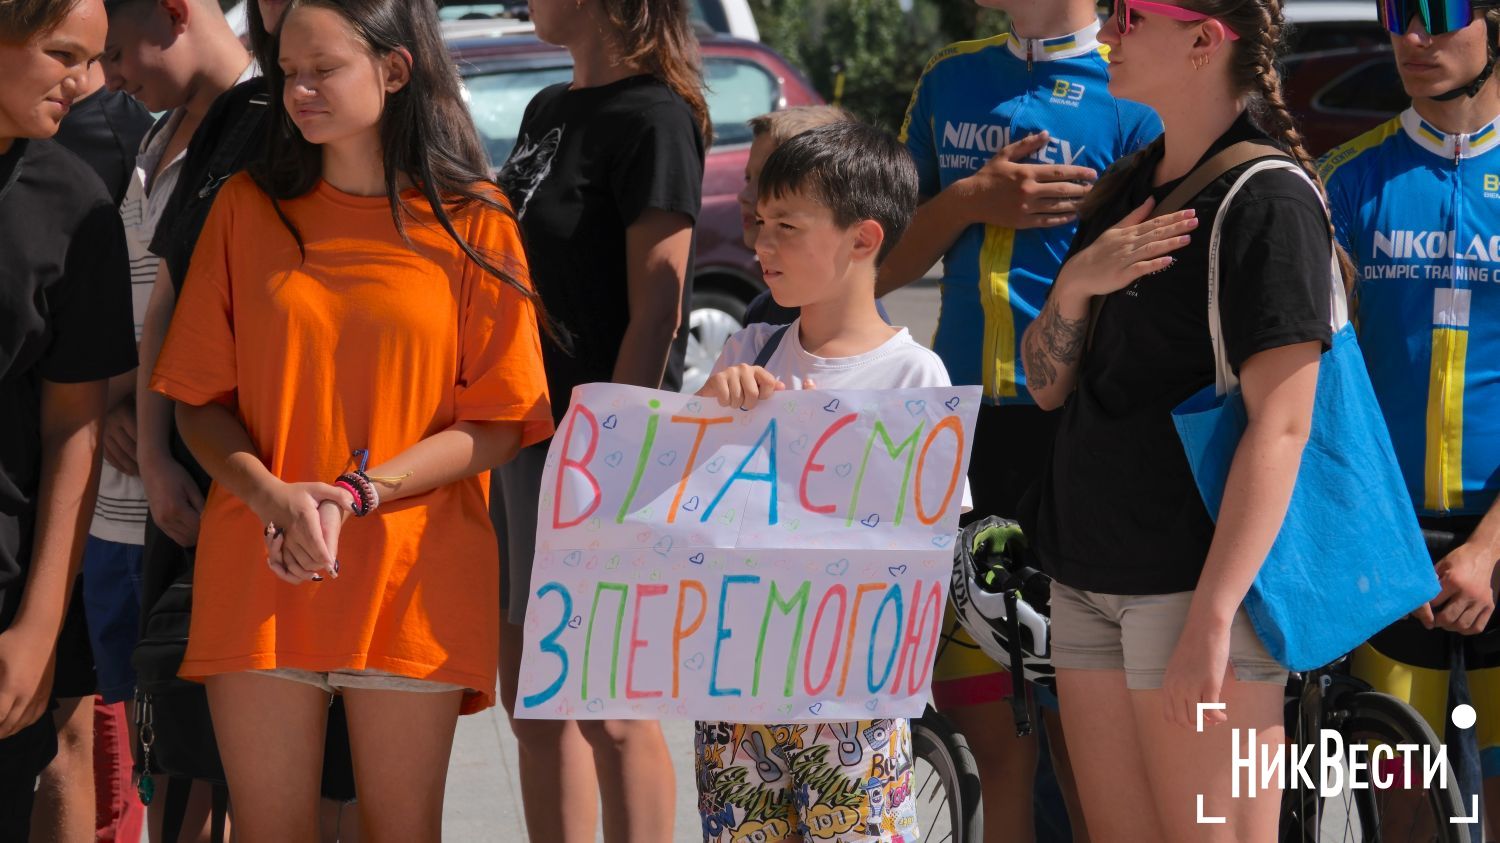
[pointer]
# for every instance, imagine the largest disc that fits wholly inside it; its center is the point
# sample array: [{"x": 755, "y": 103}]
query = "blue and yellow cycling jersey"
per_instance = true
[
  {"x": 974, "y": 98},
  {"x": 1419, "y": 211}
]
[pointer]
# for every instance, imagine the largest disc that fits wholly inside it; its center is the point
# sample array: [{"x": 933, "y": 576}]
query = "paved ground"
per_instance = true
[{"x": 484, "y": 791}]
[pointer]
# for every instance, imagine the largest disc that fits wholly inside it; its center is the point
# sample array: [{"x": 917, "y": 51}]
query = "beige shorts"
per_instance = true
[
  {"x": 1137, "y": 633},
  {"x": 376, "y": 680}
]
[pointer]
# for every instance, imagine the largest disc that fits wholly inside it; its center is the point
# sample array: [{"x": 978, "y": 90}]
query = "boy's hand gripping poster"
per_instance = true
[{"x": 790, "y": 562}]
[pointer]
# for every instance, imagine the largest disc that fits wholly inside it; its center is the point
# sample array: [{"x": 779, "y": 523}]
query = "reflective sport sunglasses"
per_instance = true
[
  {"x": 1439, "y": 17},
  {"x": 1122, "y": 14}
]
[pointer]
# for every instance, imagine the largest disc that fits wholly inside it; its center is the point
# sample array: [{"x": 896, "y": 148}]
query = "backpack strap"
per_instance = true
[
  {"x": 221, "y": 165},
  {"x": 220, "y": 816},
  {"x": 15, "y": 172},
  {"x": 174, "y": 811},
  {"x": 768, "y": 350},
  {"x": 1222, "y": 162},
  {"x": 156, "y": 129}
]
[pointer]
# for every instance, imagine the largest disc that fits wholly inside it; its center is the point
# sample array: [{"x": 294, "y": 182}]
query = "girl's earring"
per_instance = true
[{"x": 1200, "y": 62}]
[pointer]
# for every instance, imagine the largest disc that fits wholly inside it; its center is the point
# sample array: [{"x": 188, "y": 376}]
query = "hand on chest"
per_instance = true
[{"x": 967, "y": 140}]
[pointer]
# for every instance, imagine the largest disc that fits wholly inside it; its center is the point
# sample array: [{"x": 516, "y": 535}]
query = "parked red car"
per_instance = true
[{"x": 503, "y": 66}]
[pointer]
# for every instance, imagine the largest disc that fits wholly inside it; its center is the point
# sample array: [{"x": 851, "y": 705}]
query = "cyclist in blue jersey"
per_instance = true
[
  {"x": 1008, "y": 134},
  {"x": 1416, "y": 202}
]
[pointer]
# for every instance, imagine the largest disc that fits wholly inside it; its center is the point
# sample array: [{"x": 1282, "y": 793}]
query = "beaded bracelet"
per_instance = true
[
  {"x": 357, "y": 500},
  {"x": 366, "y": 498},
  {"x": 368, "y": 488},
  {"x": 362, "y": 486}
]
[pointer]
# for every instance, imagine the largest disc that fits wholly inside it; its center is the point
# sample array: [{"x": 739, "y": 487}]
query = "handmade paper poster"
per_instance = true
[{"x": 788, "y": 563}]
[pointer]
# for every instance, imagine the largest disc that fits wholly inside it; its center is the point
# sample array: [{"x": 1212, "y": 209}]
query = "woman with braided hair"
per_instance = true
[{"x": 1147, "y": 614}]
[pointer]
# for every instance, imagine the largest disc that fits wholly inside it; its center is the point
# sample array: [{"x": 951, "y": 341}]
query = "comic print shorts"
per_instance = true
[{"x": 830, "y": 782}]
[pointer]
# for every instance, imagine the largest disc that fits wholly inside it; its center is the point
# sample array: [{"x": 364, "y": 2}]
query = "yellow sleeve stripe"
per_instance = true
[
  {"x": 962, "y": 48},
  {"x": 1344, "y": 153}
]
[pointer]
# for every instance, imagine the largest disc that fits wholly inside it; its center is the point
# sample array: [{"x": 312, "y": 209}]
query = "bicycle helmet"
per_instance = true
[{"x": 1000, "y": 602}]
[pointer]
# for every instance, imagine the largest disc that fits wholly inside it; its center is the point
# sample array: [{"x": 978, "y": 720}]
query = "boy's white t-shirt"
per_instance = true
[{"x": 897, "y": 363}]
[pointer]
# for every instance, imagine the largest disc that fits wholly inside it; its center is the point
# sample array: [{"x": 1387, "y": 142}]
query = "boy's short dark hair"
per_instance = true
[{"x": 855, "y": 170}]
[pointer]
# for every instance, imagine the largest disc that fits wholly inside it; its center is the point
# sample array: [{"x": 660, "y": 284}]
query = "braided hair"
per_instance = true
[{"x": 1253, "y": 64}]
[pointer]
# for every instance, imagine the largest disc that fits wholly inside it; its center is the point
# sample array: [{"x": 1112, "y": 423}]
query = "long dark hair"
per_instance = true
[
  {"x": 1253, "y": 73},
  {"x": 426, "y": 133},
  {"x": 658, "y": 35},
  {"x": 262, "y": 41}
]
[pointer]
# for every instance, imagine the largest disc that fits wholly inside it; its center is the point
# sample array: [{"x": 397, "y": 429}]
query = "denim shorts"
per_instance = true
[
  {"x": 112, "y": 603},
  {"x": 1137, "y": 633}
]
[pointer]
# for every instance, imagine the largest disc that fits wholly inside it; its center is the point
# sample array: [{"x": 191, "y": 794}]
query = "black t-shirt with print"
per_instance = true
[
  {"x": 1118, "y": 512},
  {"x": 586, "y": 165},
  {"x": 105, "y": 130},
  {"x": 64, "y": 317}
]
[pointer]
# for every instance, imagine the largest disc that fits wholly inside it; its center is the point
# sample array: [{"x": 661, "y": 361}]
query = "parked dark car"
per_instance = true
[
  {"x": 1339, "y": 74},
  {"x": 503, "y": 65}
]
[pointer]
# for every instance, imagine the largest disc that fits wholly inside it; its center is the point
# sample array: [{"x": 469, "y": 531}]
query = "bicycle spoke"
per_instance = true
[
  {"x": 929, "y": 784},
  {"x": 943, "y": 780}
]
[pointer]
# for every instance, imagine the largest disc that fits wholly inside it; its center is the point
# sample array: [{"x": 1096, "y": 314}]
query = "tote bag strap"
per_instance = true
[
  {"x": 1188, "y": 189},
  {"x": 1225, "y": 380}
]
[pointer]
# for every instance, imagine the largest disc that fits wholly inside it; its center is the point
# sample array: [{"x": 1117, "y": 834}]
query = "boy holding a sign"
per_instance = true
[{"x": 832, "y": 202}]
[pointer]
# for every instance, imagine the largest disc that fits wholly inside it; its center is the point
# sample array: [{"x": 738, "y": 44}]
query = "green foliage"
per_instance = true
[{"x": 872, "y": 46}]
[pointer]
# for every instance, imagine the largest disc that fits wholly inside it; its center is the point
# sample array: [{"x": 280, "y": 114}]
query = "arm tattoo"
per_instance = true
[{"x": 1053, "y": 341}]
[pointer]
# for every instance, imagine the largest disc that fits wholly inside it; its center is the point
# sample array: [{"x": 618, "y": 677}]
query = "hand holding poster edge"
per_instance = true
[{"x": 786, "y": 563}]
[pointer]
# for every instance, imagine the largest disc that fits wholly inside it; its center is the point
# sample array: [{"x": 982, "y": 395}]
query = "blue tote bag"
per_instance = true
[{"x": 1350, "y": 558}]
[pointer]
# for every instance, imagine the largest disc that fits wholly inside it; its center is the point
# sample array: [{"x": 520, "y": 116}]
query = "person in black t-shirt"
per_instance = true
[
  {"x": 64, "y": 331},
  {"x": 1147, "y": 616},
  {"x": 105, "y": 128},
  {"x": 606, "y": 178}
]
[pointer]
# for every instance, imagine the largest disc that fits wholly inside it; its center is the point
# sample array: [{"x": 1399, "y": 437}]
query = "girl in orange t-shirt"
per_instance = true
[{"x": 357, "y": 308}]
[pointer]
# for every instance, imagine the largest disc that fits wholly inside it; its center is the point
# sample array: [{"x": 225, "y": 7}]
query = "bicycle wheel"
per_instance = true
[
  {"x": 945, "y": 781},
  {"x": 1373, "y": 815}
]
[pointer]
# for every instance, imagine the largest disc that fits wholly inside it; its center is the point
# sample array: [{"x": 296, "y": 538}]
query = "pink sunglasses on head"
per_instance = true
[{"x": 1123, "y": 7}]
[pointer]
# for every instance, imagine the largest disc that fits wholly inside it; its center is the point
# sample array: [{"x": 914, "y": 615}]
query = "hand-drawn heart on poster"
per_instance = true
[{"x": 790, "y": 562}]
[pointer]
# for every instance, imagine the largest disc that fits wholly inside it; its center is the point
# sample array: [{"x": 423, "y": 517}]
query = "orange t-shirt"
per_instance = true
[{"x": 367, "y": 343}]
